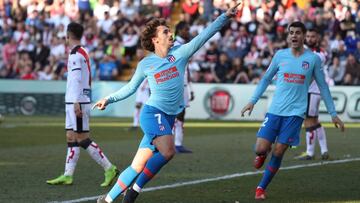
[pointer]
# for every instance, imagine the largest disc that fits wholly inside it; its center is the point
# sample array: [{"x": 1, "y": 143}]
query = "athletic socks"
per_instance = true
[
  {"x": 72, "y": 157},
  {"x": 95, "y": 153},
  {"x": 310, "y": 142},
  {"x": 152, "y": 167},
  {"x": 270, "y": 171},
  {"x": 312, "y": 133},
  {"x": 321, "y": 135},
  {"x": 124, "y": 181},
  {"x": 179, "y": 132}
]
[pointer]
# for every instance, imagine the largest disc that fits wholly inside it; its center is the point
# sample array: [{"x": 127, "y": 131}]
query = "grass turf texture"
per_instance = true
[{"x": 32, "y": 150}]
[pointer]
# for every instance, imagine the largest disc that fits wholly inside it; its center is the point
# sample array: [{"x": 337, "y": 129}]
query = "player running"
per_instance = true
[
  {"x": 165, "y": 69},
  {"x": 294, "y": 68},
  {"x": 77, "y": 101}
]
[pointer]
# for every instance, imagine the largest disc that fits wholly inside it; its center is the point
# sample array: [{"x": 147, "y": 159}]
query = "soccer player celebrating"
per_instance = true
[
  {"x": 165, "y": 69},
  {"x": 312, "y": 124},
  {"x": 182, "y": 36},
  {"x": 294, "y": 68},
  {"x": 77, "y": 101}
]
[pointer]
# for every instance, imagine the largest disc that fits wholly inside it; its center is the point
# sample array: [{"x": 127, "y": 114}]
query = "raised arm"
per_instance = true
[
  {"x": 126, "y": 91},
  {"x": 195, "y": 44}
]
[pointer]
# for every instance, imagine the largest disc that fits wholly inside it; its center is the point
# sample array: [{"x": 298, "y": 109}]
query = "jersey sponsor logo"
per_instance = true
[
  {"x": 166, "y": 75},
  {"x": 218, "y": 102},
  {"x": 171, "y": 58},
  {"x": 305, "y": 65},
  {"x": 294, "y": 78}
]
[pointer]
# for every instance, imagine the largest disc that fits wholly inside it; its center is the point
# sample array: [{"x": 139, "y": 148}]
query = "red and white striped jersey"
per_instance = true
[
  {"x": 78, "y": 87},
  {"x": 313, "y": 88}
]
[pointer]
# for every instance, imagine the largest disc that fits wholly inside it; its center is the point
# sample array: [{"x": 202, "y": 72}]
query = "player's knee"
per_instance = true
[
  {"x": 138, "y": 167},
  {"x": 169, "y": 153},
  {"x": 279, "y": 151}
]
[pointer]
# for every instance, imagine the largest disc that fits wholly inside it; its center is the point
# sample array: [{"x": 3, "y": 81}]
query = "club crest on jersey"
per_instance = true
[
  {"x": 305, "y": 65},
  {"x": 171, "y": 58}
]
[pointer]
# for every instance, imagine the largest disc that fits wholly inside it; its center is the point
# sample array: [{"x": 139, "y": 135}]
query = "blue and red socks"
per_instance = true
[
  {"x": 270, "y": 171},
  {"x": 152, "y": 167},
  {"x": 124, "y": 181}
]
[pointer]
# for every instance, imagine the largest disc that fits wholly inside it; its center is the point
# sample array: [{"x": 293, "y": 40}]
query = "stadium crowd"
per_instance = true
[{"x": 33, "y": 34}]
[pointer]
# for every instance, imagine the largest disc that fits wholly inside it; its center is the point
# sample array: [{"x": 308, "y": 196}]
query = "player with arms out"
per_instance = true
[
  {"x": 77, "y": 109},
  {"x": 294, "y": 68},
  {"x": 314, "y": 130},
  {"x": 164, "y": 68}
]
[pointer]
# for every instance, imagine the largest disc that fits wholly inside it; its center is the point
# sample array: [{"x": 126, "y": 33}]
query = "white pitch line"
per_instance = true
[{"x": 226, "y": 177}]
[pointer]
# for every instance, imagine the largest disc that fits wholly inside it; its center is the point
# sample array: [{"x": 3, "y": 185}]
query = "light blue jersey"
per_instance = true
[
  {"x": 166, "y": 75},
  {"x": 293, "y": 78}
]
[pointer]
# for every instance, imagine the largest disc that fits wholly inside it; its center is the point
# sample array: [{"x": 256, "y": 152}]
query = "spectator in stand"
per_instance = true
[
  {"x": 351, "y": 42},
  {"x": 352, "y": 73},
  {"x": 130, "y": 39},
  {"x": 252, "y": 55},
  {"x": 107, "y": 69},
  {"x": 191, "y": 7},
  {"x": 336, "y": 70},
  {"x": 46, "y": 73},
  {"x": 240, "y": 71},
  {"x": 221, "y": 69},
  {"x": 47, "y": 35},
  {"x": 104, "y": 25},
  {"x": 279, "y": 41},
  {"x": 129, "y": 9},
  {"x": 9, "y": 52},
  {"x": 348, "y": 24},
  {"x": 57, "y": 48},
  {"x": 41, "y": 54},
  {"x": 100, "y": 9}
]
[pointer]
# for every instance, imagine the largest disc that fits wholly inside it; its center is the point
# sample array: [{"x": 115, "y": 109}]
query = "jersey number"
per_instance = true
[
  {"x": 265, "y": 121},
  {"x": 158, "y": 116}
]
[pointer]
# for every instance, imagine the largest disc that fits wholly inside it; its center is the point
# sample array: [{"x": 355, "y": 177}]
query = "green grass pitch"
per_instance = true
[{"x": 32, "y": 150}]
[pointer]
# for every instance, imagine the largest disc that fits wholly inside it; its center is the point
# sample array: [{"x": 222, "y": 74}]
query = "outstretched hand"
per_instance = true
[
  {"x": 338, "y": 123},
  {"x": 231, "y": 12},
  {"x": 101, "y": 105},
  {"x": 249, "y": 107}
]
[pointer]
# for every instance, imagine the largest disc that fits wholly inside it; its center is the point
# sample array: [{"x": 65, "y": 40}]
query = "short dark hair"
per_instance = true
[
  {"x": 314, "y": 30},
  {"x": 150, "y": 32},
  {"x": 180, "y": 26},
  {"x": 76, "y": 30},
  {"x": 299, "y": 25}
]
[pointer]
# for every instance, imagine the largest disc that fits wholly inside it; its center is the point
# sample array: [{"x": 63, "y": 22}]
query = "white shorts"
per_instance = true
[
  {"x": 79, "y": 125},
  {"x": 142, "y": 96},
  {"x": 313, "y": 105}
]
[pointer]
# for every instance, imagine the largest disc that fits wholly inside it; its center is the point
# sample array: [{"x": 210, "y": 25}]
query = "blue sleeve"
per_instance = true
[
  {"x": 323, "y": 87},
  {"x": 129, "y": 89},
  {"x": 265, "y": 80},
  {"x": 197, "y": 42}
]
